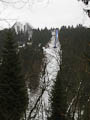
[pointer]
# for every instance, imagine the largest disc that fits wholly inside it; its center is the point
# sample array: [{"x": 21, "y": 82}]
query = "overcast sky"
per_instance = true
[{"x": 54, "y": 13}]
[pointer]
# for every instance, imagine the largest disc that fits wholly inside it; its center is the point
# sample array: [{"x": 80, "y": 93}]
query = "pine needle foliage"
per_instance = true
[
  {"x": 13, "y": 91},
  {"x": 58, "y": 99}
]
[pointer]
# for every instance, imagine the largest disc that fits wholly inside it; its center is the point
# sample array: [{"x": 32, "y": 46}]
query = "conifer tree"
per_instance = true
[
  {"x": 58, "y": 99},
  {"x": 13, "y": 91}
]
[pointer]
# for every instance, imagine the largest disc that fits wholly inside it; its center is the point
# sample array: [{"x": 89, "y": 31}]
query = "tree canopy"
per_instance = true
[{"x": 13, "y": 90}]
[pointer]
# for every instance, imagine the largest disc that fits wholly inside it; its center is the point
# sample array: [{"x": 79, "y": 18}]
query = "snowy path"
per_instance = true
[
  {"x": 53, "y": 60},
  {"x": 52, "y": 56}
]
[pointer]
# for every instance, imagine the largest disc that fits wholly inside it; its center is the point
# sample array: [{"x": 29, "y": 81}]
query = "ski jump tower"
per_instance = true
[{"x": 56, "y": 37}]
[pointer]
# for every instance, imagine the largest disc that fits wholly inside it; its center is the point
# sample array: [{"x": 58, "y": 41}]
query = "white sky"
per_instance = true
[{"x": 53, "y": 14}]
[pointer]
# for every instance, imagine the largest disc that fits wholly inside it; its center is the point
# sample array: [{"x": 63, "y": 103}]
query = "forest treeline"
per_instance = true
[
  {"x": 32, "y": 56},
  {"x": 23, "y": 58},
  {"x": 70, "y": 98},
  {"x": 21, "y": 64},
  {"x": 32, "y": 52}
]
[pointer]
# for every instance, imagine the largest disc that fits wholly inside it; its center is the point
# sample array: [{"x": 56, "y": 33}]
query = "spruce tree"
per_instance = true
[
  {"x": 13, "y": 91},
  {"x": 58, "y": 99}
]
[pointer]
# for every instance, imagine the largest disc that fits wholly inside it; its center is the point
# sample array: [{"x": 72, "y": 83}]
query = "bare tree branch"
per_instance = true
[{"x": 30, "y": 114}]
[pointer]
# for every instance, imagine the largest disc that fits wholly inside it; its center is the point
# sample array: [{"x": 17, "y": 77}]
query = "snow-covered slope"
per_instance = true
[
  {"x": 18, "y": 26},
  {"x": 27, "y": 30},
  {"x": 52, "y": 60}
]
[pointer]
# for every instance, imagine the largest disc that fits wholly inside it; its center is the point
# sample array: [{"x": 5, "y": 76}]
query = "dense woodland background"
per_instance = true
[
  {"x": 73, "y": 80},
  {"x": 70, "y": 94}
]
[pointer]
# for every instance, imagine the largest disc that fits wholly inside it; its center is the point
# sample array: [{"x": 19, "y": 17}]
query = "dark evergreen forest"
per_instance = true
[
  {"x": 32, "y": 52},
  {"x": 70, "y": 94},
  {"x": 74, "y": 75}
]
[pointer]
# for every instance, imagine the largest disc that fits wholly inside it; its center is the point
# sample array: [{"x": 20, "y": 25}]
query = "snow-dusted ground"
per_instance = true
[{"x": 52, "y": 59}]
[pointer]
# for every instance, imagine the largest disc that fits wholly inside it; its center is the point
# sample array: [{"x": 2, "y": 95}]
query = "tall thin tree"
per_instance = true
[
  {"x": 58, "y": 99},
  {"x": 13, "y": 91}
]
